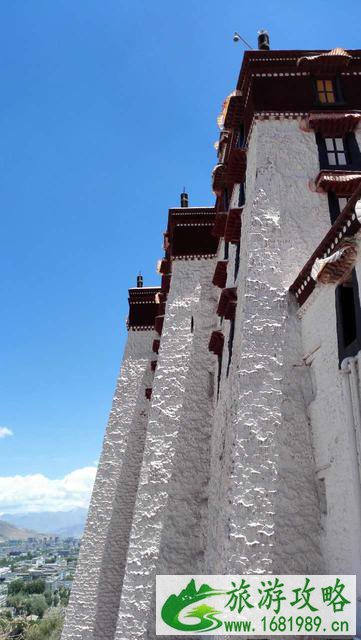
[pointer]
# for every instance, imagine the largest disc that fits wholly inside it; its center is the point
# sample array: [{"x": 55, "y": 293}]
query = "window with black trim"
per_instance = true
[
  {"x": 339, "y": 153},
  {"x": 348, "y": 315},
  {"x": 226, "y": 251},
  {"x": 236, "y": 260},
  {"x": 230, "y": 344},
  {"x": 326, "y": 91}
]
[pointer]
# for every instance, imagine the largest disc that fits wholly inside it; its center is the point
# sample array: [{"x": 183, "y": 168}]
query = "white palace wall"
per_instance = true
[
  {"x": 262, "y": 476},
  {"x": 334, "y": 438},
  {"x": 175, "y": 470},
  {"x": 95, "y": 594}
]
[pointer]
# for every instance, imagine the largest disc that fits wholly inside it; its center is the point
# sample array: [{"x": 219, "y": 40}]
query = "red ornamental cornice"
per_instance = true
[
  {"x": 219, "y": 178},
  {"x": 272, "y": 83},
  {"x": 222, "y": 142},
  {"x": 331, "y": 123},
  {"x": 230, "y": 111},
  {"x": 232, "y": 231},
  {"x": 227, "y": 303},
  {"x": 219, "y": 224},
  {"x": 143, "y": 306},
  {"x": 343, "y": 183},
  {"x": 220, "y": 274},
  {"x": 165, "y": 266},
  {"x": 234, "y": 113},
  {"x": 236, "y": 166},
  {"x": 329, "y": 62},
  {"x": 190, "y": 233},
  {"x": 347, "y": 224},
  {"x": 216, "y": 343}
]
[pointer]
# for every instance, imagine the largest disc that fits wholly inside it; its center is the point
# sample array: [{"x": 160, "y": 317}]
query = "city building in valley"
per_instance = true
[{"x": 234, "y": 440}]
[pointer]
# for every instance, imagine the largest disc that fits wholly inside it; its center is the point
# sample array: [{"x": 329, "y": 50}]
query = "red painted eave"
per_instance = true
[
  {"x": 345, "y": 225},
  {"x": 232, "y": 231},
  {"x": 220, "y": 274},
  {"x": 343, "y": 183},
  {"x": 216, "y": 343},
  {"x": 219, "y": 224}
]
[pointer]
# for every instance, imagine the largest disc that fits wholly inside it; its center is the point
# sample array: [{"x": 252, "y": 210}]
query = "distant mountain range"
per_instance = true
[
  {"x": 61, "y": 523},
  {"x": 10, "y": 532}
]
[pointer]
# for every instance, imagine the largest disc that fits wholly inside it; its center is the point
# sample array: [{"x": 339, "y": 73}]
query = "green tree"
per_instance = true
[
  {"x": 47, "y": 629},
  {"x": 16, "y": 586},
  {"x": 35, "y": 586},
  {"x": 64, "y": 594},
  {"x": 37, "y": 605}
]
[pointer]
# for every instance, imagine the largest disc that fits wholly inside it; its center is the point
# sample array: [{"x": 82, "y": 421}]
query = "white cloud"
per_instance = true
[
  {"x": 38, "y": 493},
  {"x": 5, "y": 432}
]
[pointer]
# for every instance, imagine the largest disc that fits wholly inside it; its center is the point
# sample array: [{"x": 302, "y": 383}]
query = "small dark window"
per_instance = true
[
  {"x": 348, "y": 318},
  {"x": 236, "y": 260},
  {"x": 240, "y": 137},
  {"x": 192, "y": 324},
  {"x": 225, "y": 200},
  {"x": 241, "y": 196},
  {"x": 230, "y": 344},
  {"x": 336, "y": 205},
  {"x": 219, "y": 374},
  {"x": 226, "y": 251},
  {"x": 326, "y": 91}
]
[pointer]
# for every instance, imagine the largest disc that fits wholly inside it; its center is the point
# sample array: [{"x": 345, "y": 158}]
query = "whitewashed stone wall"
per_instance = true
[
  {"x": 258, "y": 480},
  {"x": 262, "y": 476},
  {"x": 334, "y": 446},
  {"x": 168, "y": 532},
  {"x": 94, "y": 602}
]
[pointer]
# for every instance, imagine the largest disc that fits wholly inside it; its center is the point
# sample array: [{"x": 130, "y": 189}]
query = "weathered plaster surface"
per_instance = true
[
  {"x": 334, "y": 451},
  {"x": 262, "y": 476},
  {"x": 192, "y": 483},
  {"x": 92, "y": 611},
  {"x": 168, "y": 522}
]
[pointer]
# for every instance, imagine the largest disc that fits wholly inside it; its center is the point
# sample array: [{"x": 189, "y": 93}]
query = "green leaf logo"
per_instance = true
[{"x": 205, "y": 614}]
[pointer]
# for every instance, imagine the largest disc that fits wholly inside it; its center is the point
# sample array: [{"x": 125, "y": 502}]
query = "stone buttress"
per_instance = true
[{"x": 97, "y": 586}]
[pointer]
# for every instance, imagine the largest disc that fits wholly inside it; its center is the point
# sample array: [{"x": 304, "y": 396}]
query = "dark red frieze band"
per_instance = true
[
  {"x": 189, "y": 233},
  {"x": 143, "y": 307}
]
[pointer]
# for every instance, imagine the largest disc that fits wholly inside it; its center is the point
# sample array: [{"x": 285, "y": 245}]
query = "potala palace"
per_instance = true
[{"x": 234, "y": 440}]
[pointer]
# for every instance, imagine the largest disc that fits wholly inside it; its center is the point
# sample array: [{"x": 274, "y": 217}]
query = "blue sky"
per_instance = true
[{"x": 107, "y": 109}]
